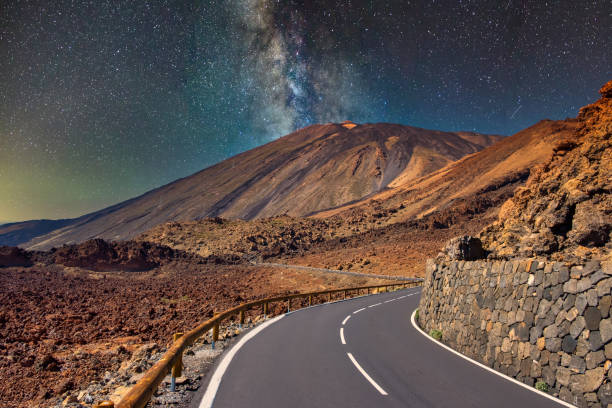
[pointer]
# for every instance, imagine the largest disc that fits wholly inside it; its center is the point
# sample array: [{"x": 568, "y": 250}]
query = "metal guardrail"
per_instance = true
[{"x": 140, "y": 394}]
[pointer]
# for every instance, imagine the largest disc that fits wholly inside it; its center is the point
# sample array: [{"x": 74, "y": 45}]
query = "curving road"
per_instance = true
[{"x": 362, "y": 352}]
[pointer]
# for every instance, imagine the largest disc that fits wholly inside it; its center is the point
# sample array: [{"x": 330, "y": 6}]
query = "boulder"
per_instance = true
[{"x": 464, "y": 248}]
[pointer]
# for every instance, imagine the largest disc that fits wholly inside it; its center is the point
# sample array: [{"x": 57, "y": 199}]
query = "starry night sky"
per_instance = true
[{"x": 103, "y": 100}]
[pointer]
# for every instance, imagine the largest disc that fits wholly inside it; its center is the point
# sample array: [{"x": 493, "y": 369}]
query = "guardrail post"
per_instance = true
[
  {"x": 329, "y": 297},
  {"x": 309, "y": 300},
  {"x": 265, "y": 309},
  {"x": 215, "y": 334},
  {"x": 288, "y": 305},
  {"x": 241, "y": 317},
  {"x": 345, "y": 295},
  {"x": 177, "y": 368}
]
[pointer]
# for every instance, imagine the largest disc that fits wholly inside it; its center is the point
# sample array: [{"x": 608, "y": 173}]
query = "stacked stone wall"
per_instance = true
[{"x": 535, "y": 321}]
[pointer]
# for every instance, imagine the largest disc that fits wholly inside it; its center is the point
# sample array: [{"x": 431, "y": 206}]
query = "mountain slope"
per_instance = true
[
  {"x": 15, "y": 233},
  {"x": 484, "y": 175},
  {"x": 318, "y": 167}
]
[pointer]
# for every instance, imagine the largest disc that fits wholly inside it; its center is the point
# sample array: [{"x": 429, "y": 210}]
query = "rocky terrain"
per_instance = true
[
  {"x": 62, "y": 327},
  {"x": 565, "y": 209},
  {"x": 315, "y": 168}
]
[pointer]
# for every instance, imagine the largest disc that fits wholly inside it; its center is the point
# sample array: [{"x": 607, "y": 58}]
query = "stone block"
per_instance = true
[
  {"x": 592, "y": 298},
  {"x": 551, "y": 331},
  {"x": 549, "y": 375},
  {"x": 569, "y": 302},
  {"x": 594, "y": 358},
  {"x": 592, "y": 316},
  {"x": 587, "y": 382},
  {"x": 583, "y": 284},
  {"x": 581, "y": 303},
  {"x": 556, "y": 291},
  {"x": 563, "y": 376},
  {"x": 536, "y": 369},
  {"x": 606, "y": 267},
  {"x": 608, "y": 351},
  {"x": 541, "y": 343},
  {"x": 553, "y": 345},
  {"x": 568, "y": 344},
  {"x": 605, "y": 329},
  {"x": 571, "y": 286},
  {"x": 577, "y": 364},
  {"x": 597, "y": 277},
  {"x": 506, "y": 345},
  {"x": 604, "y": 287},
  {"x": 564, "y": 328},
  {"x": 576, "y": 272},
  {"x": 590, "y": 267},
  {"x": 582, "y": 347},
  {"x": 577, "y": 326},
  {"x": 565, "y": 359},
  {"x": 604, "y": 306},
  {"x": 594, "y": 341},
  {"x": 563, "y": 274},
  {"x": 605, "y": 394},
  {"x": 572, "y": 314}
]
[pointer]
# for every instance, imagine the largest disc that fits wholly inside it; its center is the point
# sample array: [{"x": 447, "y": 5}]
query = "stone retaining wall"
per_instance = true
[{"x": 532, "y": 320}]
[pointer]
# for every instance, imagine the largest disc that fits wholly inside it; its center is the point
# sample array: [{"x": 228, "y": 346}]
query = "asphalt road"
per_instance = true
[{"x": 301, "y": 361}]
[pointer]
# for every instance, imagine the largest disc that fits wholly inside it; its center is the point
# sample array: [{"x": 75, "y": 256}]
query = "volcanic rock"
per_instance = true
[
  {"x": 12, "y": 256},
  {"x": 565, "y": 209}
]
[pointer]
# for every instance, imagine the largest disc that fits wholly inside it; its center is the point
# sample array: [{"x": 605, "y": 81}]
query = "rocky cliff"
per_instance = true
[{"x": 565, "y": 209}]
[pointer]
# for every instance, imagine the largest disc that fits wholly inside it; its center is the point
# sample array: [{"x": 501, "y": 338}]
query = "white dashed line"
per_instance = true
[
  {"x": 359, "y": 310},
  {"x": 367, "y": 377},
  {"x": 375, "y": 304},
  {"x": 342, "y": 335},
  {"x": 346, "y": 319}
]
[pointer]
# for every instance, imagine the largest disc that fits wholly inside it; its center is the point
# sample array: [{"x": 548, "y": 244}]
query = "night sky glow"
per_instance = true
[{"x": 103, "y": 100}]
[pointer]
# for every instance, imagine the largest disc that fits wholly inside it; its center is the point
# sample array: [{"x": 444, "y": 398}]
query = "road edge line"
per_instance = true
[
  {"x": 215, "y": 381},
  {"x": 366, "y": 375},
  {"x": 517, "y": 382}
]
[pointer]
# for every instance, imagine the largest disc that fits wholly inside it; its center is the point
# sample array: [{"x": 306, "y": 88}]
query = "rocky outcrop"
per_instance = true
[
  {"x": 536, "y": 321},
  {"x": 12, "y": 256},
  {"x": 100, "y": 255},
  {"x": 564, "y": 211},
  {"x": 465, "y": 248}
]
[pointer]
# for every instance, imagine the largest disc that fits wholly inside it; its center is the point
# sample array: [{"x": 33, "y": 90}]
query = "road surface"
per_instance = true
[{"x": 359, "y": 353}]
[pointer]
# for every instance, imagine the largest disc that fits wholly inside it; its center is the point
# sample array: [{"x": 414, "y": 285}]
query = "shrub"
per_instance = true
[
  {"x": 416, "y": 315},
  {"x": 541, "y": 386},
  {"x": 436, "y": 334}
]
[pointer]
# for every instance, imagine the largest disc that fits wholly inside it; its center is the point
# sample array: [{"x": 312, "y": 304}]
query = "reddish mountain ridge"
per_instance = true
[{"x": 312, "y": 169}]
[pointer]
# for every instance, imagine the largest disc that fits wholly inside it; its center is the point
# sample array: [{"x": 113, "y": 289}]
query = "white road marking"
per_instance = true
[
  {"x": 390, "y": 300},
  {"x": 342, "y": 335},
  {"x": 375, "y": 304},
  {"x": 346, "y": 319},
  {"x": 215, "y": 381},
  {"x": 359, "y": 310},
  {"x": 532, "y": 389},
  {"x": 367, "y": 377}
]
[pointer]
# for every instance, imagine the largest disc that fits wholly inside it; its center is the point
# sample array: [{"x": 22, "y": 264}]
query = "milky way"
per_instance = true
[{"x": 104, "y": 100}]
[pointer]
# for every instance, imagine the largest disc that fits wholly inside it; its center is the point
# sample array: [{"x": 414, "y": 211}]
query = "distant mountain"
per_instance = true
[
  {"x": 475, "y": 183},
  {"x": 312, "y": 169},
  {"x": 15, "y": 233}
]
